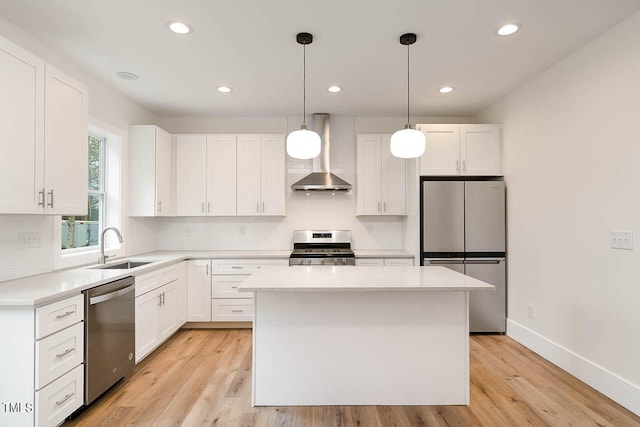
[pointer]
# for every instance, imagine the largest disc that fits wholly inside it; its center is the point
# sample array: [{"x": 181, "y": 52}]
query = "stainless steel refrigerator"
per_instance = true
[{"x": 463, "y": 228}]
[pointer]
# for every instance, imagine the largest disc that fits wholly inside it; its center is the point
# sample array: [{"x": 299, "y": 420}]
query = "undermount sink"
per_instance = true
[{"x": 124, "y": 265}]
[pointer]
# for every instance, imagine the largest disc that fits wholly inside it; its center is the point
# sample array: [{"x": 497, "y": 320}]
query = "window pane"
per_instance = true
[
  {"x": 95, "y": 164},
  {"x": 83, "y": 231}
]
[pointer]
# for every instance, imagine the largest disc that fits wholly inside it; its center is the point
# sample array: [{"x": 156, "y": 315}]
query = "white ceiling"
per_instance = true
[{"x": 250, "y": 45}]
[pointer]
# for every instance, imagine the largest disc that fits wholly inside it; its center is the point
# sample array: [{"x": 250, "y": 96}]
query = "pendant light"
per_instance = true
[
  {"x": 303, "y": 143},
  {"x": 409, "y": 142}
]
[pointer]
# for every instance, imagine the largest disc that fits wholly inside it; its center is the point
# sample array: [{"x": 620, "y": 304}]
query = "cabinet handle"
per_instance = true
[
  {"x": 64, "y": 353},
  {"x": 67, "y": 397},
  {"x": 237, "y": 266},
  {"x": 41, "y": 198},
  {"x": 262, "y": 207},
  {"x": 234, "y": 287},
  {"x": 207, "y": 269},
  {"x": 62, "y": 316},
  {"x": 384, "y": 206},
  {"x": 208, "y": 206},
  {"x": 457, "y": 165},
  {"x": 258, "y": 207},
  {"x": 159, "y": 300},
  {"x": 378, "y": 206},
  {"x": 163, "y": 303},
  {"x": 237, "y": 311},
  {"x": 464, "y": 165},
  {"x": 159, "y": 206},
  {"x": 202, "y": 207},
  {"x": 50, "y": 193}
]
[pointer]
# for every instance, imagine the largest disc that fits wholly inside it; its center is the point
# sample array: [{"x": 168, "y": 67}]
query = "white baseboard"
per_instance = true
[{"x": 611, "y": 385}]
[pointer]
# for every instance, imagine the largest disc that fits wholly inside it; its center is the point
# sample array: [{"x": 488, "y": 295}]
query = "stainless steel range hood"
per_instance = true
[{"x": 322, "y": 179}]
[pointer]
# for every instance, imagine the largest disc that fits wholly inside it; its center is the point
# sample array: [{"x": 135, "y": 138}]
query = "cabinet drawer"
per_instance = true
[
  {"x": 54, "y": 317},
  {"x": 59, "y": 399},
  {"x": 59, "y": 353},
  {"x": 369, "y": 262},
  {"x": 226, "y": 286},
  {"x": 244, "y": 266},
  {"x": 231, "y": 310},
  {"x": 150, "y": 281},
  {"x": 398, "y": 262}
]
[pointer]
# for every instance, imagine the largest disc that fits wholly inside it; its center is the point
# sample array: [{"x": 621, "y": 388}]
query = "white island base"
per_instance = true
[{"x": 350, "y": 346}]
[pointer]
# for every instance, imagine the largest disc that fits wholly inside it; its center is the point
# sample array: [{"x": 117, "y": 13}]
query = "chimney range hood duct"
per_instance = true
[{"x": 322, "y": 179}]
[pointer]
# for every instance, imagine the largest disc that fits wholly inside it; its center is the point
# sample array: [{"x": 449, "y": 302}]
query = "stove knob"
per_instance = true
[
  {"x": 308, "y": 262},
  {"x": 344, "y": 261},
  {"x": 335, "y": 261}
]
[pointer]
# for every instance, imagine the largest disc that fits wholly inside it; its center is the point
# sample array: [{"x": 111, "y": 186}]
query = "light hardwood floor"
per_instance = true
[{"x": 203, "y": 377}]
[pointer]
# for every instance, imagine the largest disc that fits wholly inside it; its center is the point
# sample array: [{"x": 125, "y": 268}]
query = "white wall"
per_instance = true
[
  {"x": 106, "y": 106},
  {"x": 572, "y": 162},
  {"x": 316, "y": 210}
]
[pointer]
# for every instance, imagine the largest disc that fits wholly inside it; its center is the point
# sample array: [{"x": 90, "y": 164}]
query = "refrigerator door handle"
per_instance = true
[
  {"x": 445, "y": 262},
  {"x": 484, "y": 261}
]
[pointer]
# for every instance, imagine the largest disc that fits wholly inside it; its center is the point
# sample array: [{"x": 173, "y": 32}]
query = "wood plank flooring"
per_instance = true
[{"x": 203, "y": 377}]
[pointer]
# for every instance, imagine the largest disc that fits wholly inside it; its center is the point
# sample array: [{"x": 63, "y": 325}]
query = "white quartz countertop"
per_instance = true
[{"x": 431, "y": 278}]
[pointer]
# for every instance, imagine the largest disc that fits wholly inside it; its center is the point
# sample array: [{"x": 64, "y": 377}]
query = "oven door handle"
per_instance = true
[{"x": 111, "y": 295}]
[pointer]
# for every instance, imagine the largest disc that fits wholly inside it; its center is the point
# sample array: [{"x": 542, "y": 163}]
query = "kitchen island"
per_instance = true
[{"x": 361, "y": 336}]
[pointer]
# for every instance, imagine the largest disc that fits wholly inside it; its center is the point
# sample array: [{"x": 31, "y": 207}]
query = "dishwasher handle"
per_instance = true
[
  {"x": 111, "y": 295},
  {"x": 445, "y": 261}
]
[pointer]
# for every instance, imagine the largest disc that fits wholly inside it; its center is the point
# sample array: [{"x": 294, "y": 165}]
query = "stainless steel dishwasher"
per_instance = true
[{"x": 109, "y": 334}]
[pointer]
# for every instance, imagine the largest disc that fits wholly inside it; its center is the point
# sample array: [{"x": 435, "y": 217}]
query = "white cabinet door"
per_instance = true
[
  {"x": 21, "y": 130},
  {"x": 163, "y": 173},
  {"x": 65, "y": 140},
  {"x": 381, "y": 177},
  {"x": 369, "y": 175},
  {"x": 442, "y": 154},
  {"x": 168, "y": 318},
  {"x": 191, "y": 175},
  {"x": 221, "y": 175},
  {"x": 394, "y": 180},
  {"x": 248, "y": 195},
  {"x": 182, "y": 292},
  {"x": 480, "y": 150},
  {"x": 150, "y": 171},
  {"x": 272, "y": 177},
  {"x": 147, "y": 317},
  {"x": 199, "y": 291}
]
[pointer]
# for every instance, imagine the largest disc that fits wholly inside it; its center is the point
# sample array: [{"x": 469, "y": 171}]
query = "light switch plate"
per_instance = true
[{"x": 621, "y": 239}]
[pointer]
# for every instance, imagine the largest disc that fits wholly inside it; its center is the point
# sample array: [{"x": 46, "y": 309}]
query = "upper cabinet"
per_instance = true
[
  {"x": 206, "y": 175},
  {"x": 380, "y": 177},
  {"x": 261, "y": 175},
  {"x": 455, "y": 149},
  {"x": 150, "y": 171},
  {"x": 43, "y": 136}
]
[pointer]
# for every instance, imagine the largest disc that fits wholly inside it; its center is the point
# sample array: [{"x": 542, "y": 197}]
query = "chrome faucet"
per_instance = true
[{"x": 103, "y": 257}]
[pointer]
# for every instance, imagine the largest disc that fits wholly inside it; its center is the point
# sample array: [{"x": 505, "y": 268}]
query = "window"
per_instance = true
[{"x": 84, "y": 231}]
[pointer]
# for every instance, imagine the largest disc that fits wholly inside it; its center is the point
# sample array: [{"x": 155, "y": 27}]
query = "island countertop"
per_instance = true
[{"x": 342, "y": 278}]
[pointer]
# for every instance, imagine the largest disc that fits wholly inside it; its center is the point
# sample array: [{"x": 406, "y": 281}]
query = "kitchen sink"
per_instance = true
[{"x": 124, "y": 265}]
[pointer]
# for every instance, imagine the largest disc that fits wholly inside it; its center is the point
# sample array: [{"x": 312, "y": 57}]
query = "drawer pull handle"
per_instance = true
[
  {"x": 237, "y": 266},
  {"x": 237, "y": 311},
  {"x": 62, "y": 316},
  {"x": 234, "y": 287},
  {"x": 64, "y": 353},
  {"x": 67, "y": 397}
]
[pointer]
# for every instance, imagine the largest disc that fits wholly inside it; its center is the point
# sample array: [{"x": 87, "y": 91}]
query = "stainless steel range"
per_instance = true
[{"x": 322, "y": 247}]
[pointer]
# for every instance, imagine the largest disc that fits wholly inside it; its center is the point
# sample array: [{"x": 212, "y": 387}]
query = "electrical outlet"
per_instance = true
[
  {"x": 531, "y": 311},
  {"x": 621, "y": 239},
  {"x": 28, "y": 240}
]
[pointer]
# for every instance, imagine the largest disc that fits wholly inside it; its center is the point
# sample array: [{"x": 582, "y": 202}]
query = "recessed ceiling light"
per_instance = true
[
  {"x": 508, "y": 29},
  {"x": 179, "y": 27},
  {"x": 125, "y": 75},
  {"x": 334, "y": 89},
  {"x": 224, "y": 89},
  {"x": 446, "y": 89}
]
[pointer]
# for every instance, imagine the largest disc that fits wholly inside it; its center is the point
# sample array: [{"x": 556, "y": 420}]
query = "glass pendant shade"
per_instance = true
[
  {"x": 303, "y": 144},
  {"x": 407, "y": 143}
]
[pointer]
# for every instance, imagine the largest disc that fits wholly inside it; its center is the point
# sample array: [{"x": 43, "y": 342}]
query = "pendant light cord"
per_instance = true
[
  {"x": 408, "y": 121},
  {"x": 304, "y": 85}
]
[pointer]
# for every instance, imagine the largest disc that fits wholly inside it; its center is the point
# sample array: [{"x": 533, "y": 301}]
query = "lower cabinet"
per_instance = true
[
  {"x": 157, "y": 310},
  {"x": 387, "y": 262},
  {"x": 213, "y": 288}
]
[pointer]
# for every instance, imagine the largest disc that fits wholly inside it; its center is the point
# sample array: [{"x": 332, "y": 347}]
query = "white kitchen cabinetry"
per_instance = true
[
  {"x": 261, "y": 172},
  {"x": 380, "y": 177},
  {"x": 42, "y": 369},
  {"x": 43, "y": 136},
  {"x": 228, "y": 304},
  {"x": 157, "y": 302},
  {"x": 150, "y": 171},
  {"x": 199, "y": 290},
  {"x": 206, "y": 175},
  {"x": 183, "y": 280},
  {"x": 454, "y": 149},
  {"x": 387, "y": 262}
]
